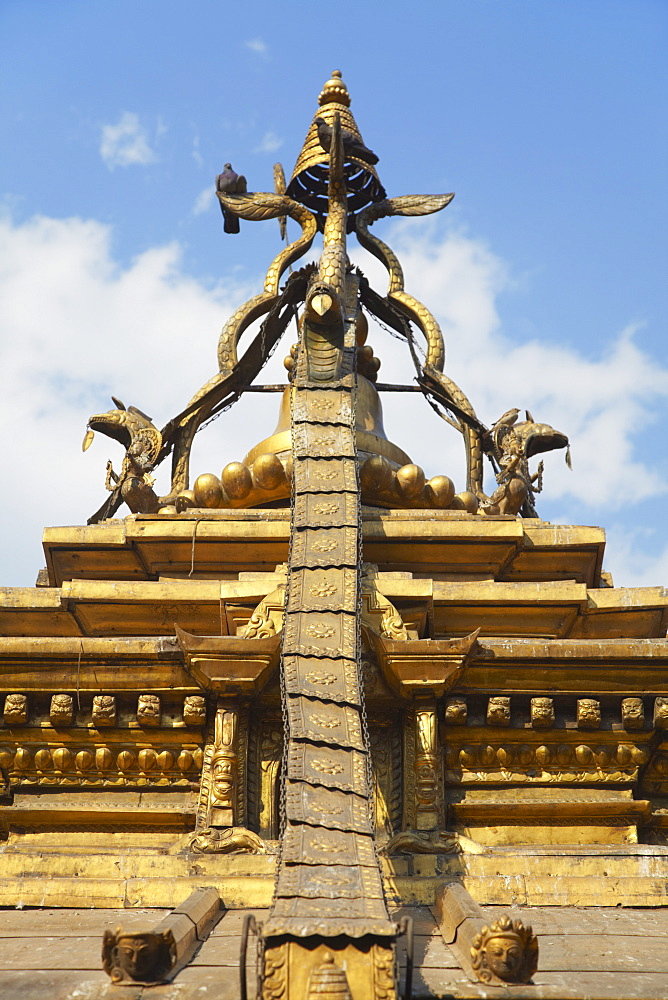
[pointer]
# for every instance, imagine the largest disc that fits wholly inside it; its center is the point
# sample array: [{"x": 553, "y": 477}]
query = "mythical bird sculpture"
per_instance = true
[
  {"x": 142, "y": 442},
  {"x": 511, "y": 445}
]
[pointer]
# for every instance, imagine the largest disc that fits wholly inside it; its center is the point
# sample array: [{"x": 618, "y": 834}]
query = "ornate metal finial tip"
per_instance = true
[{"x": 335, "y": 91}]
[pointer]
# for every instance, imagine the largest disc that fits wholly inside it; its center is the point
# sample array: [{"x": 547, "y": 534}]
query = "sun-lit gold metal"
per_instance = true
[
  {"x": 333, "y": 767},
  {"x": 327, "y": 781},
  {"x": 331, "y": 679},
  {"x": 505, "y": 952},
  {"x": 496, "y": 951},
  {"x": 369, "y": 430},
  {"x": 330, "y": 882},
  {"x": 309, "y": 177},
  {"x": 313, "y": 846},
  {"x": 292, "y": 970},
  {"x": 259, "y": 207},
  {"x": 324, "y": 590},
  {"x": 503, "y": 696},
  {"x": 322, "y": 722}
]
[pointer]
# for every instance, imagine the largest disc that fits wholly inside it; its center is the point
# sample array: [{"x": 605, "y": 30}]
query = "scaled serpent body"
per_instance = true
[
  {"x": 416, "y": 312},
  {"x": 257, "y": 207}
]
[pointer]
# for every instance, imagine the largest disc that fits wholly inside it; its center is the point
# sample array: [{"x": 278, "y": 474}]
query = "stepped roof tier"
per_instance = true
[{"x": 402, "y": 732}]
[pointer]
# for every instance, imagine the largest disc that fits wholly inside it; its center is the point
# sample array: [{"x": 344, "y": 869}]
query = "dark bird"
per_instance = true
[
  {"x": 230, "y": 182},
  {"x": 352, "y": 144}
]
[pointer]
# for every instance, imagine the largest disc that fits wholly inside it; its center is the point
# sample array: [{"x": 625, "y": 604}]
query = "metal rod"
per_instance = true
[
  {"x": 263, "y": 388},
  {"x": 380, "y": 387},
  {"x": 392, "y": 387}
]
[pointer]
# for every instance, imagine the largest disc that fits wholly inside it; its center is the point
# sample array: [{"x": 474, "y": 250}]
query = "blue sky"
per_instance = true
[{"x": 546, "y": 117}]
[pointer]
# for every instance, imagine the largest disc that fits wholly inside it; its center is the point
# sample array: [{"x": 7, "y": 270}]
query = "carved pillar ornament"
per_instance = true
[
  {"x": 428, "y": 795},
  {"x": 224, "y": 761},
  {"x": 219, "y": 809},
  {"x": 423, "y": 800}
]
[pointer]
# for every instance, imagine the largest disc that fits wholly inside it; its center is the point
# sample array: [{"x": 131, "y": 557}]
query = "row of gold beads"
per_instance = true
[
  {"x": 101, "y": 758},
  {"x": 268, "y": 478}
]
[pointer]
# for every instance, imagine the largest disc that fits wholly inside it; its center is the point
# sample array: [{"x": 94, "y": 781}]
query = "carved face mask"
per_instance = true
[
  {"x": 138, "y": 956},
  {"x": 503, "y": 956}
]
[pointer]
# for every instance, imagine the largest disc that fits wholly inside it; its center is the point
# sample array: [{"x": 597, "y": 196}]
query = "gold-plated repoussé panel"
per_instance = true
[{"x": 329, "y": 882}]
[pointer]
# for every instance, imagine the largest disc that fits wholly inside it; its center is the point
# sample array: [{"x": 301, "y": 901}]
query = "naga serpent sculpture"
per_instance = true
[
  {"x": 434, "y": 381},
  {"x": 257, "y": 208},
  {"x": 254, "y": 207},
  {"x": 178, "y": 434},
  {"x": 323, "y": 308}
]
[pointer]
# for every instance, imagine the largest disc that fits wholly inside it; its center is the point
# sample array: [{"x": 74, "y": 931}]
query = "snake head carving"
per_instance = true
[{"x": 323, "y": 305}]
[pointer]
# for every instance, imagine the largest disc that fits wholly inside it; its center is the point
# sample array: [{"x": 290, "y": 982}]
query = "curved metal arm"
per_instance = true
[
  {"x": 257, "y": 207},
  {"x": 416, "y": 312}
]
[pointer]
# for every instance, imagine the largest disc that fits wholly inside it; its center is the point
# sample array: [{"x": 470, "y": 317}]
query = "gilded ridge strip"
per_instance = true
[
  {"x": 329, "y": 678},
  {"x": 332, "y": 767},
  {"x": 324, "y": 722},
  {"x": 308, "y": 844},
  {"x": 329, "y": 880}
]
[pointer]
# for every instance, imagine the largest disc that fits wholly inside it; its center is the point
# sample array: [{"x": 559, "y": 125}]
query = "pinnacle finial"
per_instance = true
[{"x": 335, "y": 91}]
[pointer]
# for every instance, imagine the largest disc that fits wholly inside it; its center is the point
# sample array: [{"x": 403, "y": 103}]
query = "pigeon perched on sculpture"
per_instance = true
[
  {"x": 352, "y": 144},
  {"x": 230, "y": 182}
]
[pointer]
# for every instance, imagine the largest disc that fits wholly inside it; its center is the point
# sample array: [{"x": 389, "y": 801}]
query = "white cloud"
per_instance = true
[
  {"x": 269, "y": 144},
  {"x": 603, "y": 405},
  {"x": 258, "y": 46},
  {"x": 126, "y": 143},
  {"x": 636, "y": 556},
  {"x": 196, "y": 155},
  {"x": 204, "y": 200},
  {"x": 147, "y": 332}
]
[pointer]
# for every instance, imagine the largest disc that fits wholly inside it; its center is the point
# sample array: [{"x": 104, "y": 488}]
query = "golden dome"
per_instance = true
[
  {"x": 334, "y": 90},
  {"x": 370, "y": 433}
]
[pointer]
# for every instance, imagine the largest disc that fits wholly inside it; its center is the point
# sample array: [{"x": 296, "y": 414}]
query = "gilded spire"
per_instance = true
[{"x": 308, "y": 184}]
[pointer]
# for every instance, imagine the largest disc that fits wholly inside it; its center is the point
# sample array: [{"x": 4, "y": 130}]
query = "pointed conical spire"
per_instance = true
[{"x": 308, "y": 183}]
